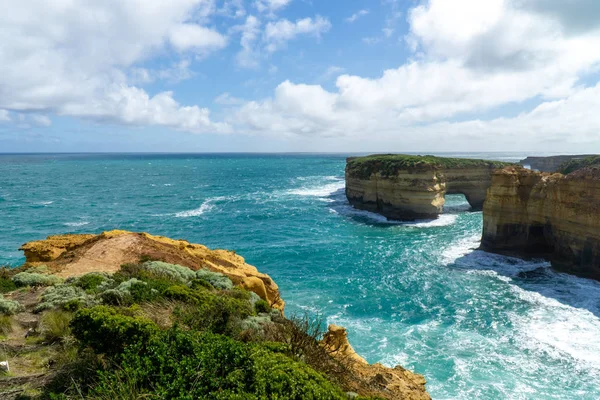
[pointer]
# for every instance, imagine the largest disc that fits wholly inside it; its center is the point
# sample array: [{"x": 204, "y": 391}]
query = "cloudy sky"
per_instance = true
[{"x": 300, "y": 75}]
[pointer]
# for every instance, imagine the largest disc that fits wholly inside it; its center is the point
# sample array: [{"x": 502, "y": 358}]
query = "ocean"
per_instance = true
[{"x": 477, "y": 325}]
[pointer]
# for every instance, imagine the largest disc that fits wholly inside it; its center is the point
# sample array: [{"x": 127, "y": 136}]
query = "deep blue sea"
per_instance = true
[{"x": 478, "y": 326}]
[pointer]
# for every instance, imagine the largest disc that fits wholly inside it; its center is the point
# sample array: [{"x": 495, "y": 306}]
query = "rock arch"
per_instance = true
[{"x": 389, "y": 187}]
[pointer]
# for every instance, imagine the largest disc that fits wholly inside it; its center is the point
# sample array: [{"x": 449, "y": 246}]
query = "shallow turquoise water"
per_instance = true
[{"x": 478, "y": 326}]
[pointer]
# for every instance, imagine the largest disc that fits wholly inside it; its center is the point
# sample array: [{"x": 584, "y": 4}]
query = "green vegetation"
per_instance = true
[
  {"x": 9, "y": 307},
  {"x": 5, "y": 324},
  {"x": 575, "y": 165},
  {"x": 390, "y": 164},
  {"x": 54, "y": 326},
  {"x": 158, "y": 330},
  {"x": 64, "y": 296},
  {"x": 35, "y": 279}
]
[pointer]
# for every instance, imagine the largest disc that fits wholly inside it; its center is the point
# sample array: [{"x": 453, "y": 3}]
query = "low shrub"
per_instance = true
[
  {"x": 10, "y": 307},
  {"x": 65, "y": 296},
  {"x": 123, "y": 294},
  {"x": 301, "y": 336},
  {"x": 217, "y": 280},
  {"x": 172, "y": 271},
  {"x": 35, "y": 279},
  {"x": 6, "y": 284},
  {"x": 184, "y": 365},
  {"x": 262, "y": 306},
  {"x": 54, "y": 326},
  {"x": 93, "y": 282},
  {"x": 218, "y": 313},
  {"x": 106, "y": 330}
]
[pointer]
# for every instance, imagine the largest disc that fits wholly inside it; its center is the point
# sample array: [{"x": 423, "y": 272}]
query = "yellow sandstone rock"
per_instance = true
[
  {"x": 555, "y": 216},
  {"x": 417, "y": 191},
  {"x": 388, "y": 383},
  {"x": 73, "y": 255}
]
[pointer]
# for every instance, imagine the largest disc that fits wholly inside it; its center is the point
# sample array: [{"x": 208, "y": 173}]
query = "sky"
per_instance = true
[{"x": 299, "y": 75}]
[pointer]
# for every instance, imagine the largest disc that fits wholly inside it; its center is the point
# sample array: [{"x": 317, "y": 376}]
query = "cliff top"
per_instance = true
[
  {"x": 577, "y": 164},
  {"x": 390, "y": 164},
  {"x": 149, "y": 316}
]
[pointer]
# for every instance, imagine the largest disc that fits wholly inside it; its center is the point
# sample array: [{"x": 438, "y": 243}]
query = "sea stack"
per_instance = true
[{"x": 407, "y": 187}]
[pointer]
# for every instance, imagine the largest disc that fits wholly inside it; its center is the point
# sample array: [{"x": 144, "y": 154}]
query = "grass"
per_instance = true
[
  {"x": 390, "y": 164},
  {"x": 54, "y": 326}
]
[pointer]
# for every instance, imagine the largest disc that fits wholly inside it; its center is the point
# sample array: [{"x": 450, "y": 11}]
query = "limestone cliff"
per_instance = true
[
  {"x": 413, "y": 187},
  {"x": 555, "y": 216}
]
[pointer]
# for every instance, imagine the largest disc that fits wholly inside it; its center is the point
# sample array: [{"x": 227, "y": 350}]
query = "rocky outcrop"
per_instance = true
[
  {"x": 74, "y": 255},
  {"x": 389, "y": 383},
  {"x": 551, "y": 163},
  {"x": 413, "y": 187},
  {"x": 554, "y": 216}
]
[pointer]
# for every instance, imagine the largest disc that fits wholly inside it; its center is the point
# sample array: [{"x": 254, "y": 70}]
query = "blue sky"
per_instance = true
[{"x": 300, "y": 75}]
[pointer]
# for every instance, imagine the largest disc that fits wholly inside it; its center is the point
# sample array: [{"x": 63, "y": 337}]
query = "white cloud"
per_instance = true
[
  {"x": 270, "y": 6},
  {"x": 4, "y": 116},
  {"x": 73, "y": 59},
  {"x": 41, "y": 120},
  {"x": 249, "y": 56},
  {"x": 357, "y": 15},
  {"x": 470, "y": 56},
  {"x": 227, "y": 99},
  {"x": 277, "y": 34},
  {"x": 255, "y": 43},
  {"x": 191, "y": 36}
]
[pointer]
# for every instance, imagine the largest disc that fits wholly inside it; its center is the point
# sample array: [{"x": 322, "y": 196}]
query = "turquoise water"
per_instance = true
[{"x": 478, "y": 326}]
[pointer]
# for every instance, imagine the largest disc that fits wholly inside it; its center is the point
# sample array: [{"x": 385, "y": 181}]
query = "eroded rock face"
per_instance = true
[
  {"x": 418, "y": 192},
  {"x": 73, "y": 255},
  {"x": 375, "y": 379},
  {"x": 536, "y": 214}
]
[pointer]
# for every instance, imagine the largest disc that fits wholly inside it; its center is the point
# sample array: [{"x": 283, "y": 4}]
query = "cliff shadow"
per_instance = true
[{"x": 536, "y": 276}]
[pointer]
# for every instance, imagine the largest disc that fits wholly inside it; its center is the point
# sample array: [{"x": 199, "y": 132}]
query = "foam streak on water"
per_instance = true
[{"x": 419, "y": 294}]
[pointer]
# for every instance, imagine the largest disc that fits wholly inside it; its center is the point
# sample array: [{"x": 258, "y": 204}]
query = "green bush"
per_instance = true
[
  {"x": 172, "y": 271},
  {"x": 66, "y": 296},
  {"x": 106, "y": 330},
  {"x": 10, "y": 307},
  {"x": 262, "y": 306},
  {"x": 216, "y": 279},
  {"x": 54, "y": 326},
  {"x": 92, "y": 282},
  {"x": 122, "y": 294},
  {"x": 218, "y": 313},
  {"x": 185, "y": 365},
  {"x": 6, "y": 285},
  {"x": 35, "y": 279}
]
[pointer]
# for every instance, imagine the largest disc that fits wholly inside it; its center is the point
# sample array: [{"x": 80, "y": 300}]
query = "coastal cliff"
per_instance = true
[
  {"x": 413, "y": 187},
  {"x": 550, "y": 163},
  {"x": 554, "y": 216},
  {"x": 194, "y": 318}
]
